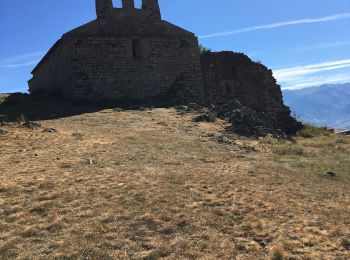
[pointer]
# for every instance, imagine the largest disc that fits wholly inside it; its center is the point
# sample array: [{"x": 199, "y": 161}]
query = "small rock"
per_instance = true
[
  {"x": 6, "y": 123},
  {"x": 224, "y": 140},
  {"x": 77, "y": 136},
  {"x": 209, "y": 116},
  {"x": 118, "y": 109},
  {"x": 3, "y": 118},
  {"x": 91, "y": 162},
  {"x": 49, "y": 130},
  {"x": 31, "y": 125},
  {"x": 180, "y": 107},
  {"x": 194, "y": 106},
  {"x": 330, "y": 174},
  {"x": 209, "y": 135},
  {"x": 249, "y": 149},
  {"x": 3, "y": 132},
  {"x": 207, "y": 161}
]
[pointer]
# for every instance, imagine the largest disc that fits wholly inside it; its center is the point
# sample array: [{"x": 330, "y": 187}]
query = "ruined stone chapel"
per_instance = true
[
  {"x": 130, "y": 54},
  {"x": 126, "y": 53}
]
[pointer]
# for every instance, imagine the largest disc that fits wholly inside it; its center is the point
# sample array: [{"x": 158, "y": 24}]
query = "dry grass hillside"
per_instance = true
[{"x": 154, "y": 184}]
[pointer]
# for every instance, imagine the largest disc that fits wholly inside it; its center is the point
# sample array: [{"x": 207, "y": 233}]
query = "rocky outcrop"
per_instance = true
[
  {"x": 249, "y": 122},
  {"x": 247, "y": 93}
]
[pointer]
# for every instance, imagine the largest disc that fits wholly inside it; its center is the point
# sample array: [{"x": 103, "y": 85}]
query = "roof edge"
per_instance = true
[{"x": 51, "y": 50}]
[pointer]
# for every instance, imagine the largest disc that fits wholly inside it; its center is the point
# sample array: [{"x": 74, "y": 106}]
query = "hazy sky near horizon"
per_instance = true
[{"x": 305, "y": 42}]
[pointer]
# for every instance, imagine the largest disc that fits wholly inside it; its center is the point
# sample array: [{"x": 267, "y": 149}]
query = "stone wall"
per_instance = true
[
  {"x": 126, "y": 54},
  {"x": 106, "y": 68},
  {"x": 229, "y": 75},
  {"x": 53, "y": 74},
  {"x": 155, "y": 69}
]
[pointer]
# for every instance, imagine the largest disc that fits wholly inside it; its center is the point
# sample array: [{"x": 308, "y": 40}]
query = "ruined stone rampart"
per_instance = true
[{"x": 230, "y": 75}]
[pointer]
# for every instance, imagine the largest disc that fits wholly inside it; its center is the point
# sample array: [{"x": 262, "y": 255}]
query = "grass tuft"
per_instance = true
[
  {"x": 288, "y": 149},
  {"x": 278, "y": 253},
  {"x": 269, "y": 139},
  {"x": 346, "y": 243}
]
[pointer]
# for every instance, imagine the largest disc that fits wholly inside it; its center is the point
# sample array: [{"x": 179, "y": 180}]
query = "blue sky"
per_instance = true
[{"x": 305, "y": 42}]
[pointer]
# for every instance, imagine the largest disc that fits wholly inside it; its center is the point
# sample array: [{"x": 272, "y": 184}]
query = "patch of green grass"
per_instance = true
[
  {"x": 288, "y": 149},
  {"x": 282, "y": 147},
  {"x": 342, "y": 140},
  {"x": 269, "y": 139},
  {"x": 311, "y": 131}
]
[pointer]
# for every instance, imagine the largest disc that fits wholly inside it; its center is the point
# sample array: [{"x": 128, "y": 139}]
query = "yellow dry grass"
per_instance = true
[
  {"x": 3, "y": 97},
  {"x": 154, "y": 184}
]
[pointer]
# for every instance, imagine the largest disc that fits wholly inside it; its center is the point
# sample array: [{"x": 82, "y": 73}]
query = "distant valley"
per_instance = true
[{"x": 327, "y": 105}]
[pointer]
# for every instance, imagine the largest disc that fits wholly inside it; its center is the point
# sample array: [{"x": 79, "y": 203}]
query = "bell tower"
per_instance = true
[
  {"x": 103, "y": 7},
  {"x": 128, "y": 4},
  {"x": 153, "y": 6}
]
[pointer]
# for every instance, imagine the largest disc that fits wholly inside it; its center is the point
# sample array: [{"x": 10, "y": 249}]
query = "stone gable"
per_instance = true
[{"x": 125, "y": 54}]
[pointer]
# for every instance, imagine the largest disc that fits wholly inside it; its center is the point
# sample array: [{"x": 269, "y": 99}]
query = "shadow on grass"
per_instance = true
[{"x": 19, "y": 106}]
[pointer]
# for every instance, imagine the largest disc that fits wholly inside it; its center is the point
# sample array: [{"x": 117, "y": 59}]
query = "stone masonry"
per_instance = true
[
  {"x": 126, "y": 54},
  {"x": 229, "y": 75},
  {"x": 130, "y": 55}
]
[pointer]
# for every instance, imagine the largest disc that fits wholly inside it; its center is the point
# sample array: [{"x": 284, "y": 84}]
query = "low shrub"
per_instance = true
[
  {"x": 310, "y": 131},
  {"x": 342, "y": 140},
  {"x": 269, "y": 139}
]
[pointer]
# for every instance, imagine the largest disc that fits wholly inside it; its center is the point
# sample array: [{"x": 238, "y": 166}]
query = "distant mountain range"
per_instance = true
[{"x": 327, "y": 105}]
